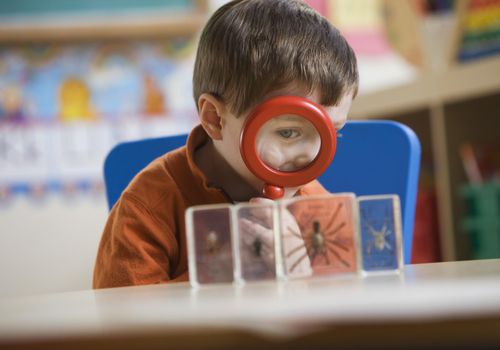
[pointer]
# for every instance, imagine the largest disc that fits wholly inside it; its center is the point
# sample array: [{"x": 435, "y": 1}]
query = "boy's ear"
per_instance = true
[{"x": 210, "y": 111}]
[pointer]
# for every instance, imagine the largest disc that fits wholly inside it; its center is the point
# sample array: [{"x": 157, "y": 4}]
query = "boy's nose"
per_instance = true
[
  {"x": 297, "y": 162},
  {"x": 302, "y": 161}
]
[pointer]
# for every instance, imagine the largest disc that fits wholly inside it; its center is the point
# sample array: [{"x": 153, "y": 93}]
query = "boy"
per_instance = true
[{"x": 249, "y": 51}]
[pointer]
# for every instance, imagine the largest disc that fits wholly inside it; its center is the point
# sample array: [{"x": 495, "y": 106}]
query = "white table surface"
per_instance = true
[{"x": 421, "y": 293}]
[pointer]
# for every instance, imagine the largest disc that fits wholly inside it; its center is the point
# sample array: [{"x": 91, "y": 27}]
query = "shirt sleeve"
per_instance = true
[{"x": 136, "y": 248}]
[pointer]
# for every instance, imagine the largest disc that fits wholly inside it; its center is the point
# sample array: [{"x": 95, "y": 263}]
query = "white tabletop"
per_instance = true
[{"x": 421, "y": 293}]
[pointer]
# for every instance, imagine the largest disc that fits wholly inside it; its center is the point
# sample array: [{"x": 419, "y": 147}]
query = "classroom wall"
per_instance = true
[{"x": 50, "y": 245}]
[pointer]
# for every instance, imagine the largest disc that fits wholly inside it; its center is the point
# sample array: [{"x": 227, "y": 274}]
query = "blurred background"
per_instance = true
[{"x": 78, "y": 77}]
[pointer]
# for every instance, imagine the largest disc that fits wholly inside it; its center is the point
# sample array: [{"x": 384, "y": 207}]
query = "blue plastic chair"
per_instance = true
[{"x": 373, "y": 157}]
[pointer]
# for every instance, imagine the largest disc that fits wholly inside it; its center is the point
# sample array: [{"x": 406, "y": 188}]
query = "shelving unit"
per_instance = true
[
  {"x": 104, "y": 24},
  {"x": 445, "y": 109},
  {"x": 465, "y": 81},
  {"x": 118, "y": 27}
]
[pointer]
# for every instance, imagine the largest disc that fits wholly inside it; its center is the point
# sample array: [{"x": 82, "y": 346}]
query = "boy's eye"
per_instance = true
[{"x": 288, "y": 133}]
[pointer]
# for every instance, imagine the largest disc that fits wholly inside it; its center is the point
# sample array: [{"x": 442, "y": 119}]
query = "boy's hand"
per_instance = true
[{"x": 258, "y": 237}]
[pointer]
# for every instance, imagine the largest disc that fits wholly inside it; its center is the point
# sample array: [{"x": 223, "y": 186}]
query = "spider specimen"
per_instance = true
[
  {"x": 257, "y": 247},
  {"x": 320, "y": 242},
  {"x": 379, "y": 241},
  {"x": 214, "y": 264},
  {"x": 212, "y": 242},
  {"x": 257, "y": 231}
]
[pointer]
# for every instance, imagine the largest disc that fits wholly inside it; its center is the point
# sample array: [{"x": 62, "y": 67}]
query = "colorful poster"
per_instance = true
[{"x": 63, "y": 107}]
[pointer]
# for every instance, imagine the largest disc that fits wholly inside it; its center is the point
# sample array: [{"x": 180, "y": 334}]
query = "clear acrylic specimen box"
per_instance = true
[
  {"x": 319, "y": 235},
  {"x": 209, "y": 238},
  {"x": 255, "y": 227},
  {"x": 381, "y": 233},
  {"x": 294, "y": 238}
]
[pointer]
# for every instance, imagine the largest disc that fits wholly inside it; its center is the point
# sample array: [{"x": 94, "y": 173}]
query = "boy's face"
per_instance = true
[{"x": 286, "y": 143}]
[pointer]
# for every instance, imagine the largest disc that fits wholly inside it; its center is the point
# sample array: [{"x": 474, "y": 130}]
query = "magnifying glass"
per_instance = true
[{"x": 287, "y": 141}]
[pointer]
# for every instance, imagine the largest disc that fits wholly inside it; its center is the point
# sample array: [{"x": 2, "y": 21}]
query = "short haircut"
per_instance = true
[{"x": 250, "y": 48}]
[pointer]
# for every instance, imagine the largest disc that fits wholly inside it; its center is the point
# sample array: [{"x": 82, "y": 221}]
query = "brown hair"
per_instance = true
[{"x": 250, "y": 48}]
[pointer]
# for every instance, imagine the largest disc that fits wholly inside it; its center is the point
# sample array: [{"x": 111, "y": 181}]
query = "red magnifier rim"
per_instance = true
[{"x": 275, "y": 107}]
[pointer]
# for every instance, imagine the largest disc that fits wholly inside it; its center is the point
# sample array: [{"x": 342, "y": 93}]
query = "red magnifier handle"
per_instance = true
[{"x": 273, "y": 192}]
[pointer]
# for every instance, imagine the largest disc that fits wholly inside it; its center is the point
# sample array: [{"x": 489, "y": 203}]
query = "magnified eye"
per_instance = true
[{"x": 288, "y": 133}]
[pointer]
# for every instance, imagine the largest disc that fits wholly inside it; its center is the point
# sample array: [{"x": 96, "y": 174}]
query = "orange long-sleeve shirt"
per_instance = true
[{"x": 144, "y": 240}]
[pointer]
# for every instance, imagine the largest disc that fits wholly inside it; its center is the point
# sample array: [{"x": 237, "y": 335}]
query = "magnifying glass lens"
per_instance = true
[{"x": 288, "y": 143}]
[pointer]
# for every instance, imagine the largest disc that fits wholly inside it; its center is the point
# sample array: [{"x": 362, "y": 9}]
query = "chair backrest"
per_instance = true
[
  {"x": 373, "y": 157},
  {"x": 126, "y": 159}
]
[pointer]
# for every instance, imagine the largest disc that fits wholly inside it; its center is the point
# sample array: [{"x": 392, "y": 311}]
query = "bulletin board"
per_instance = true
[{"x": 77, "y": 78}]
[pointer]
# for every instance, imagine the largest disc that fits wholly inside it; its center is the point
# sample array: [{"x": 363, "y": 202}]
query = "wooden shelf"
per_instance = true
[
  {"x": 462, "y": 81},
  {"x": 101, "y": 26},
  {"x": 444, "y": 106}
]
